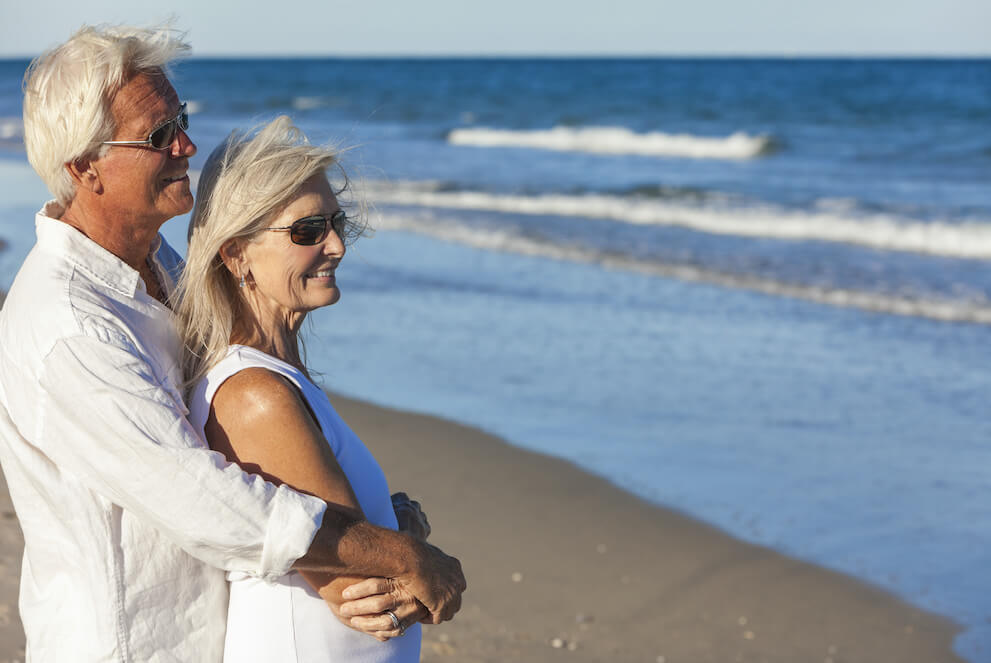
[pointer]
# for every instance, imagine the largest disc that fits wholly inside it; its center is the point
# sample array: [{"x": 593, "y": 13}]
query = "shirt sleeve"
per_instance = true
[{"x": 105, "y": 419}]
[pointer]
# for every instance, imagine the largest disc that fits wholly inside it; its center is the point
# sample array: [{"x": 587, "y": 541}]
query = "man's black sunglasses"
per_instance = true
[
  {"x": 162, "y": 136},
  {"x": 312, "y": 230}
]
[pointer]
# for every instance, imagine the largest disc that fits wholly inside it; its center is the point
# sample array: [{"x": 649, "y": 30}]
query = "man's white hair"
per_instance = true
[{"x": 68, "y": 91}]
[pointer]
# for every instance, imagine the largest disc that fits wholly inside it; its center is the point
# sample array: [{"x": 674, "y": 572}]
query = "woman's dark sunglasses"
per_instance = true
[
  {"x": 312, "y": 230},
  {"x": 161, "y": 136}
]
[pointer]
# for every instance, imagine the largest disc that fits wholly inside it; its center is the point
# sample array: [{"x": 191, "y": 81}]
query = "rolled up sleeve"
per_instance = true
[{"x": 106, "y": 419}]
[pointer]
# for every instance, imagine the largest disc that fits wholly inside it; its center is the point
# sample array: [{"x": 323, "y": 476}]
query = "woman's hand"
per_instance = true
[
  {"x": 411, "y": 517},
  {"x": 369, "y": 603}
]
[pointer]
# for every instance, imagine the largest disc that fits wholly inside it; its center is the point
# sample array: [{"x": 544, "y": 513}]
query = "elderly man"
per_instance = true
[{"x": 129, "y": 520}]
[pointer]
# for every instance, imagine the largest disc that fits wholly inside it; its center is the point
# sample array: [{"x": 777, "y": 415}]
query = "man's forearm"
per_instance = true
[{"x": 346, "y": 544}]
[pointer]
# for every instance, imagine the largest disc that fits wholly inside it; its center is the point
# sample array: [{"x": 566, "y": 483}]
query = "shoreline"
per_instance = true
[
  {"x": 563, "y": 563},
  {"x": 557, "y": 556}
]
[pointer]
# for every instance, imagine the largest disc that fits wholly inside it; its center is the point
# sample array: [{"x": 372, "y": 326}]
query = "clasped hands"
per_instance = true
[{"x": 368, "y": 603}]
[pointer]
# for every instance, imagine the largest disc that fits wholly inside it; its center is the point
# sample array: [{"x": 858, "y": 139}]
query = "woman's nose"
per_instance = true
[{"x": 333, "y": 245}]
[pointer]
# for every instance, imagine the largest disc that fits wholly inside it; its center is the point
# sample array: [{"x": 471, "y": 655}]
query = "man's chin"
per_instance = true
[
  {"x": 180, "y": 195},
  {"x": 179, "y": 205}
]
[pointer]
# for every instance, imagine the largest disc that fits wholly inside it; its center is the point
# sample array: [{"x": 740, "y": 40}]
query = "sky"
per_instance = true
[{"x": 525, "y": 27}]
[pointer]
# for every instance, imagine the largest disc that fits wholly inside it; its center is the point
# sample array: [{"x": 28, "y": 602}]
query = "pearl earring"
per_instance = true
[{"x": 242, "y": 282}]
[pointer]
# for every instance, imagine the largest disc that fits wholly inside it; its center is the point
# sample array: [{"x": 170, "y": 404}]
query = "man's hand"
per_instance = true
[
  {"x": 436, "y": 581},
  {"x": 410, "y": 516}
]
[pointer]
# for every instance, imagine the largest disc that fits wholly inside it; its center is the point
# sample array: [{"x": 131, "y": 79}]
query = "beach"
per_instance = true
[
  {"x": 752, "y": 291},
  {"x": 562, "y": 565}
]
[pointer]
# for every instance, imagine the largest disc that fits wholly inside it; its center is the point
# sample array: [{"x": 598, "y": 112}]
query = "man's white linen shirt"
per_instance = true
[{"x": 129, "y": 520}]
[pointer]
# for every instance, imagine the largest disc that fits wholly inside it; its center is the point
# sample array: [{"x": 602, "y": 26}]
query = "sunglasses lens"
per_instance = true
[
  {"x": 163, "y": 136},
  {"x": 308, "y": 231},
  {"x": 339, "y": 223}
]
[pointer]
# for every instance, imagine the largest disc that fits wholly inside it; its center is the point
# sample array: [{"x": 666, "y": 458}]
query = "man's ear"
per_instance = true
[
  {"x": 232, "y": 253},
  {"x": 85, "y": 175}
]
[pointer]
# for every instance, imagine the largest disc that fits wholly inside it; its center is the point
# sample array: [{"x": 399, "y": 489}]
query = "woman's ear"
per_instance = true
[{"x": 232, "y": 253}]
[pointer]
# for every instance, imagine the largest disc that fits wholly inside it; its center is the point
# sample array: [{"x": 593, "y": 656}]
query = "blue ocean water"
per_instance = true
[{"x": 753, "y": 290}]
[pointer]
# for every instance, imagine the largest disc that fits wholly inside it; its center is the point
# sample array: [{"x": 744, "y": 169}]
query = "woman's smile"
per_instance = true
[{"x": 326, "y": 275}]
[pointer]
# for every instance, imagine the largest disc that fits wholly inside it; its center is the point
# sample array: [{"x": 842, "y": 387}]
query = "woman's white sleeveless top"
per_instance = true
[{"x": 287, "y": 621}]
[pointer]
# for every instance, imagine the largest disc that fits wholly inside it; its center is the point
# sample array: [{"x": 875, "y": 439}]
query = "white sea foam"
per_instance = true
[
  {"x": 879, "y": 231},
  {"x": 193, "y": 106},
  {"x": 11, "y": 128},
  {"x": 510, "y": 242},
  {"x": 308, "y": 103},
  {"x": 617, "y": 140}
]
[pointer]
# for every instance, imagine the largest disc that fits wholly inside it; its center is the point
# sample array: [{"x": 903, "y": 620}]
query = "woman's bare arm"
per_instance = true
[{"x": 259, "y": 420}]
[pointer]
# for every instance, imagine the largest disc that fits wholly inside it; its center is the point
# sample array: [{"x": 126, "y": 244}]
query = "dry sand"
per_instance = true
[
  {"x": 563, "y": 566},
  {"x": 11, "y": 545}
]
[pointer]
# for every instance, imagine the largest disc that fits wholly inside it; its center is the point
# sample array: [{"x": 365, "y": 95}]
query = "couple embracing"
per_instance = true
[{"x": 186, "y": 492}]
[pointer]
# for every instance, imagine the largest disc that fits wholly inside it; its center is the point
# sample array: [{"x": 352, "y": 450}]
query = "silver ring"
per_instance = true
[{"x": 395, "y": 621}]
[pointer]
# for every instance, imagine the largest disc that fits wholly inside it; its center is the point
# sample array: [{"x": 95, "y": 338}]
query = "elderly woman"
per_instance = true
[{"x": 266, "y": 237}]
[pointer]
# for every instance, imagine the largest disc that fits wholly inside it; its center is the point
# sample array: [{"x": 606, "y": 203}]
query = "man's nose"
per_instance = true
[{"x": 183, "y": 145}]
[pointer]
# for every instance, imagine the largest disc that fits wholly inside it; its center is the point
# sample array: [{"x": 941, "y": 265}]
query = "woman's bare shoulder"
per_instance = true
[
  {"x": 260, "y": 421},
  {"x": 255, "y": 406},
  {"x": 257, "y": 392}
]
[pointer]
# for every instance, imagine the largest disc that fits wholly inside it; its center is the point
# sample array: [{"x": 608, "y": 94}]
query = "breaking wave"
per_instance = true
[
  {"x": 11, "y": 127},
  {"x": 308, "y": 103},
  {"x": 888, "y": 232},
  {"x": 619, "y": 140},
  {"x": 11, "y": 132},
  {"x": 510, "y": 242}
]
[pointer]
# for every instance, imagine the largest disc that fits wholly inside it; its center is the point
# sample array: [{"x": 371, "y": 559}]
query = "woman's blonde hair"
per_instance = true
[
  {"x": 248, "y": 179},
  {"x": 68, "y": 91}
]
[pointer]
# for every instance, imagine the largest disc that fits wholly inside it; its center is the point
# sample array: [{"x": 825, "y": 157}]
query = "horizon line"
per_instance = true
[{"x": 572, "y": 56}]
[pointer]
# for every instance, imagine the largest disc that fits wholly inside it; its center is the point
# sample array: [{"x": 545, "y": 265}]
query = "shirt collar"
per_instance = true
[{"x": 69, "y": 243}]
